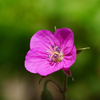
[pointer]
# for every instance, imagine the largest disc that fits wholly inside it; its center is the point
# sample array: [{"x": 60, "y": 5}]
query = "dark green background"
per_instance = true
[{"x": 20, "y": 19}]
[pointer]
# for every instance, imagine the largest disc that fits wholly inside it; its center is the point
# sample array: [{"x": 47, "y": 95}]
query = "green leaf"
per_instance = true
[{"x": 81, "y": 49}]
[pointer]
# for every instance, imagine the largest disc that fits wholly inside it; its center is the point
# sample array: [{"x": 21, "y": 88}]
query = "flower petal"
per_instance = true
[
  {"x": 69, "y": 58},
  {"x": 42, "y": 38},
  {"x": 36, "y": 61},
  {"x": 47, "y": 68},
  {"x": 64, "y": 38},
  {"x": 33, "y": 56}
]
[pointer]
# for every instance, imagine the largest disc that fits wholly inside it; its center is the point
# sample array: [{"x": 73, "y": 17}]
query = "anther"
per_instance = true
[
  {"x": 53, "y": 46},
  {"x": 49, "y": 56},
  {"x": 55, "y": 55},
  {"x": 58, "y": 49}
]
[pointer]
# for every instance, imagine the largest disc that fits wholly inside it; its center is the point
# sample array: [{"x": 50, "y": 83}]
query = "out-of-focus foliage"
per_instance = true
[{"x": 20, "y": 19}]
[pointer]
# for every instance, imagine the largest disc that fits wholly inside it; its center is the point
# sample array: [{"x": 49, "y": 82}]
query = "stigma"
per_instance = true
[{"x": 55, "y": 54}]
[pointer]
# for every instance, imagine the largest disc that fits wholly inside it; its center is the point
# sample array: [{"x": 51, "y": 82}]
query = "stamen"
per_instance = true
[
  {"x": 50, "y": 48},
  {"x": 55, "y": 48},
  {"x": 49, "y": 52},
  {"x": 52, "y": 55},
  {"x": 55, "y": 54}
]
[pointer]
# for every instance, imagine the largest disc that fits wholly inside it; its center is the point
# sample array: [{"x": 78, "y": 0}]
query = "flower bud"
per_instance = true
[{"x": 46, "y": 95}]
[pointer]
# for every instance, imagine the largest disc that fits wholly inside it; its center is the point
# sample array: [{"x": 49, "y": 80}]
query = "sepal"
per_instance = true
[{"x": 67, "y": 72}]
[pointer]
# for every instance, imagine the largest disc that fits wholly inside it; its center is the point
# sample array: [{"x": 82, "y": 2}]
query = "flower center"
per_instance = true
[{"x": 55, "y": 54}]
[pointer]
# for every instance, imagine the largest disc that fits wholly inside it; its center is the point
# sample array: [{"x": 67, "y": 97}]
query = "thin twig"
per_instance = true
[{"x": 60, "y": 89}]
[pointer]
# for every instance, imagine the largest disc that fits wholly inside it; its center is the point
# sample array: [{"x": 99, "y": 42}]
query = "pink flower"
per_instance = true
[{"x": 51, "y": 52}]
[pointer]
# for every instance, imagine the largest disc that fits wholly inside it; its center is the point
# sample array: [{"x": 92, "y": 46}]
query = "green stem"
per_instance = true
[
  {"x": 64, "y": 88},
  {"x": 63, "y": 96},
  {"x": 64, "y": 83}
]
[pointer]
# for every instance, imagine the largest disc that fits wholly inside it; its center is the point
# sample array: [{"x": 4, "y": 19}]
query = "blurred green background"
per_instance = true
[{"x": 20, "y": 19}]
